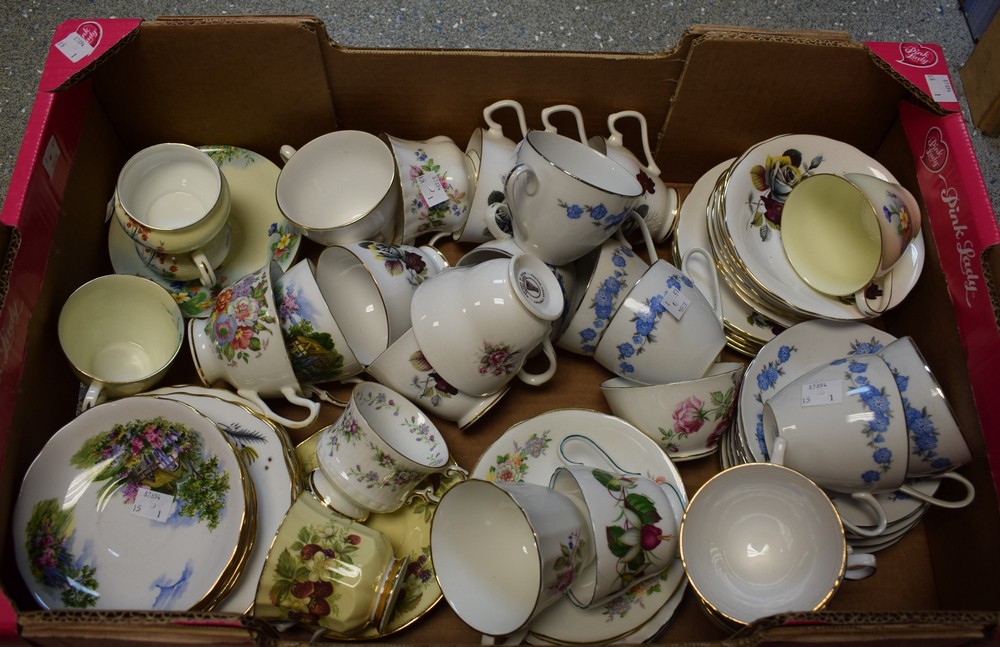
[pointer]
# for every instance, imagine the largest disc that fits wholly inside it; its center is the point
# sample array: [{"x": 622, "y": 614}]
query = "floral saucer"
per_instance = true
[
  {"x": 692, "y": 231},
  {"x": 272, "y": 465},
  {"x": 139, "y": 503},
  {"x": 791, "y": 354},
  {"x": 259, "y": 231},
  {"x": 529, "y": 451},
  {"x": 751, "y": 216},
  {"x": 409, "y": 531}
]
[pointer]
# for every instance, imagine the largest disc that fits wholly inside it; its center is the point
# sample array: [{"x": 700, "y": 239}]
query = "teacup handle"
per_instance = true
[
  {"x": 535, "y": 379},
  {"x": 285, "y": 152},
  {"x": 878, "y": 303},
  {"x": 713, "y": 273},
  {"x": 427, "y": 495},
  {"x": 859, "y": 565},
  {"x": 495, "y": 129},
  {"x": 573, "y": 110},
  {"x": 205, "y": 270},
  {"x": 326, "y": 396},
  {"x": 94, "y": 395},
  {"x": 579, "y": 438},
  {"x": 961, "y": 503},
  {"x": 647, "y": 238},
  {"x": 520, "y": 178},
  {"x": 616, "y": 136},
  {"x": 778, "y": 448},
  {"x": 291, "y": 396}
]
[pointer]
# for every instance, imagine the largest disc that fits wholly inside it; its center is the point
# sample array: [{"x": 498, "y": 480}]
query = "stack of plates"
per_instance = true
[
  {"x": 734, "y": 211},
  {"x": 786, "y": 357}
]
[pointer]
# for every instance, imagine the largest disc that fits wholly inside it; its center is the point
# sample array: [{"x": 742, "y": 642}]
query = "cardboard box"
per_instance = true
[
  {"x": 113, "y": 86},
  {"x": 981, "y": 78}
]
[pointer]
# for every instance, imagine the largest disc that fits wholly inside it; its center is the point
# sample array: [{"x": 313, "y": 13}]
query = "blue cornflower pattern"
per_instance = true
[
  {"x": 605, "y": 301},
  {"x": 645, "y": 319}
]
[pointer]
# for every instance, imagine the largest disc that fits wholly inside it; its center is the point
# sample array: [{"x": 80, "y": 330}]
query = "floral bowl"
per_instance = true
[{"x": 687, "y": 419}]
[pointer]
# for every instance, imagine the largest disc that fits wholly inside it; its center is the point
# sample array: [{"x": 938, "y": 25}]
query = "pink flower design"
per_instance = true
[{"x": 689, "y": 416}]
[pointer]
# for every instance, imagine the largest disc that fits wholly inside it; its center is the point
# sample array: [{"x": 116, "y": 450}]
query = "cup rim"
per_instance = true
[{"x": 636, "y": 190}]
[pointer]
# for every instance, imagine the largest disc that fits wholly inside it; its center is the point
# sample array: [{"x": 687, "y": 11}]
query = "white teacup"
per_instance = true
[
  {"x": 437, "y": 180},
  {"x": 171, "y": 197},
  {"x": 634, "y": 526},
  {"x": 316, "y": 345},
  {"x": 759, "y": 539},
  {"x": 404, "y": 368},
  {"x": 565, "y": 198},
  {"x": 368, "y": 287},
  {"x": 841, "y": 233},
  {"x": 686, "y": 418},
  {"x": 659, "y": 205},
  {"x": 241, "y": 343},
  {"x": 120, "y": 334},
  {"x": 505, "y": 552},
  {"x": 478, "y": 325},
  {"x": 492, "y": 153},
  {"x": 340, "y": 187},
  {"x": 665, "y": 329},
  {"x": 936, "y": 441},
  {"x": 376, "y": 453},
  {"x": 185, "y": 266}
]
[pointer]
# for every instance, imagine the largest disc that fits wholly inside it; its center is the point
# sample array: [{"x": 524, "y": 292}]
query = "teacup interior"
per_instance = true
[
  {"x": 402, "y": 425},
  {"x": 169, "y": 186},
  {"x": 584, "y": 163}
]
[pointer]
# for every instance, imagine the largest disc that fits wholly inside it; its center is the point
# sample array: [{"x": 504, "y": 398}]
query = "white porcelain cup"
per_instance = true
[
  {"x": 659, "y": 205},
  {"x": 437, "y": 181},
  {"x": 368, "y": 287},
  {"x": 340, "y": 187},
  {"x": 936, "y": 441},
  {"x": 634, "y": 525},
  {"x": 686, "y": 418},
  {"x": 842, "y": 425},
  {"x": 478, "y": 325},
  {"x": 376, "y": 453},
  {"x": 759, "y": 539},
  {"x": 316, "y": 345},
  {"x": 492, "y": 154},
  {"x": 404, "y": 368},
  {"x": 841, "y": 233},
  {"x": 171, "y": 197},
  {"x": 505, "y": 552},
  {"x": 665, "y": 330},
  {"x": 120, "y": 335},
  {"x": 565, "y": 198},
  {"x": 185, "y": 266},
  {"x": 241, "y": 343}
]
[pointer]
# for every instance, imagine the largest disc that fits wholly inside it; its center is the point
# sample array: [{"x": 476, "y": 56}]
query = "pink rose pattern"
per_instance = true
[{"x": 693, "y": 415}]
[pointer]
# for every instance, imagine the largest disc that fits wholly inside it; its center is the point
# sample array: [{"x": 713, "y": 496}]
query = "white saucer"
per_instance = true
[
  {"x": 791, "y": 354},
  {"x": 139, "y": 503},
  {"x": 529, "y": 452},
  {"x": 271, "y": 463},
  {"x": 259, "y": 231}
]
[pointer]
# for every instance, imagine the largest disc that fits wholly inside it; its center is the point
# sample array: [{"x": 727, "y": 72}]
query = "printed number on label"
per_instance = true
[
  {"x": 816, "y": 393},
  {"x": 152, "y": 505},
  {"x": 431, "y": 189}
]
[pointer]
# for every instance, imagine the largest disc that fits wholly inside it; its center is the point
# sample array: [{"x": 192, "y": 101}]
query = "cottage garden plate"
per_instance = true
[
  {"x": 259, "y": 231},
  {"x": 272, "y": 465},
  {"x": 529, "y": 452},
  {"x": 140, "y": 503}
]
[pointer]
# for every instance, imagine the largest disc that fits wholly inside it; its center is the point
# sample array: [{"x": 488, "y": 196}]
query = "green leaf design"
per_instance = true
[
  {"x": 615, "y": 545},
  {"x": 643, "y": 507}
]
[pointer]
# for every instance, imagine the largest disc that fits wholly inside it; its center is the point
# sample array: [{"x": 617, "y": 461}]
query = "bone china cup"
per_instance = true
[
  {"x": 841, "y": 232},
  {"x": 505, "y": 552},
  {"x": 340, "y": 188},
  {"x": 171, "y": 197},
  {"x": 120, "y": 334},
  {"x": 327, "y": 571},
  {"x": 565, "y": 198},
  {"x": 759, "y": 539},
  {"x": 241, "y": 343},
  {"x": 477, "y": 325},
  {"x": 185, "y": 266},
  {"x": 379, "y": 449}
]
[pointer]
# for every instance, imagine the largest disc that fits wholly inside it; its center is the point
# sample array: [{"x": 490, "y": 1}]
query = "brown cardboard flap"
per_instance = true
[
  {"x": 741, "y": 88},
  {"x": 255, "y": 84}
]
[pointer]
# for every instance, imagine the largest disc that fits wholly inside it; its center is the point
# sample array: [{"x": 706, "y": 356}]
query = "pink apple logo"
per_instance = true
[
  {"x": 935, "y": 155},
  {"x": 917, "y": 55},
  {"x": 90, "y": 32}
]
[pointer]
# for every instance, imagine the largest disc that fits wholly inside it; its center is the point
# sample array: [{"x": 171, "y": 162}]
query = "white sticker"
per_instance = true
[
  {"x": 816, "y": 393},
  {"x": 941, "y": 88},
  {"x": 51, "y": 156},
  {"x": 152, "y": 505},
  {"x": 676, "y": 303},
  {"x": 431, "y": 189},
  {"x": 74, "y": 47}
]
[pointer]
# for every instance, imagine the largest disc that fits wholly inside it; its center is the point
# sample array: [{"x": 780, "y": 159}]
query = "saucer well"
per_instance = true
[{"x": 259, "y": 231}]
